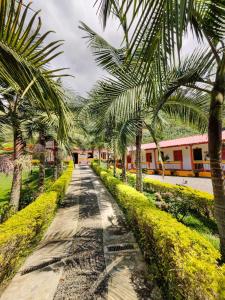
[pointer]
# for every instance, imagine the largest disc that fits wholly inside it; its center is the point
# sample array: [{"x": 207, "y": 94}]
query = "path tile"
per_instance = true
[
  {"x": 87, "y": 253},
  {"x": 42, "y": 274}
]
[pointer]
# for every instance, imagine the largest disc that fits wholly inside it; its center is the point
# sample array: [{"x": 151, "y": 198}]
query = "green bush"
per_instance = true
[
  {"x": 61, "y": 184},
  {"x": 20, "y": 232},
  {"x": 176, "y": 206},
  {"x": 201, "y": 202},
  {"x": 183, "y": 260},
  {"x": 35, "y": 162}
]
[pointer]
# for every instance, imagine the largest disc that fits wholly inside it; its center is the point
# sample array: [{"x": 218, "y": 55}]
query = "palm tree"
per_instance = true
[
  {"x": 126, "y": 136},
  {"x": 24, "y": 75},
  {"x": 159, "y": 27},
  {"x": 46, "y": 127},
  {"x": 126, "y": 97},
  {"x": 112, "y": 60}
]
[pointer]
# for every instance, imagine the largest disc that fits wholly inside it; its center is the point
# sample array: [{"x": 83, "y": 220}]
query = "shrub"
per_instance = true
[
  {"x": 35, "y": 162},
  {"x": 183, "y": 260},
  {"x": 4, "y": 211},
  {"x": 61, "y": 184},
  {"x": 187, "y": 198},
  {"x": 20, "y": 232},
  {"x": 176, "y": 206},
  {"x": 200, "y": 202}
]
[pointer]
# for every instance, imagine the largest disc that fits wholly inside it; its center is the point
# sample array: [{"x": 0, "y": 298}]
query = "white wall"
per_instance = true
[
  {"x": 187, "y": 165},
  {"x": 186, "y": 151},
  {"x": 143, "y": 159},
  {"x": 176, "y": 165}
]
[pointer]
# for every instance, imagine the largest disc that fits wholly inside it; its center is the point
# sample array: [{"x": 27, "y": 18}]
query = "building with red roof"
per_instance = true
[{"x": 187, "y": 156}]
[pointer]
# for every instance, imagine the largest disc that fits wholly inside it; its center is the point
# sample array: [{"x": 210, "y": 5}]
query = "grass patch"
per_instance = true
[
  {"x": 29, "y": 187},
  {"x": 151, "y": 198},
  {"x": 5, "y": 186}
]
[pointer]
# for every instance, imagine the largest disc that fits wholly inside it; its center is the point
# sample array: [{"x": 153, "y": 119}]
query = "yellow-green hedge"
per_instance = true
[
  {"x": 20, "y": 232},
  {"x": 35, "y": 162},
  {"x": 61, "y": 184},
  {"x": 201, "y": 202},
  {"x": 184, "y": 261}
]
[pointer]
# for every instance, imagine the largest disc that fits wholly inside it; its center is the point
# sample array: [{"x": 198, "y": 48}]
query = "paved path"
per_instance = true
[
  {"x": 203, "y": 184},
  {"x": 87, "y": 253}
]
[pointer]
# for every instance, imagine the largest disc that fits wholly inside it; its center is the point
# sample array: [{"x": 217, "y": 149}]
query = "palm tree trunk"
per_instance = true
[
  {"x": 19, "y": 146},
  {"x": 124, "y": 165},
  {"x": 215, "y": 147},
  {"x": 114, "y": 159},
  {"x": 108, "y": 164},
  {"x": 55, "y": 160},
  {"x": 59, "y": 162},
  {"x": 60, "y": 167},
  {"x": 42, "y": 142},
  {"x": 138, "y": 161},
  {"x": 99, "y": 156}
]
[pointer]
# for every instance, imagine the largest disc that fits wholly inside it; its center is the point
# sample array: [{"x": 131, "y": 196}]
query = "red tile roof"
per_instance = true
[{"x": 190, "y": 140}]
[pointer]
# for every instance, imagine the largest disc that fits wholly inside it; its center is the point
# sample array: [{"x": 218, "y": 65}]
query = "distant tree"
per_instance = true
[
  {"x": 159, "y": 28},
  {"x": 25, "y": 76}
]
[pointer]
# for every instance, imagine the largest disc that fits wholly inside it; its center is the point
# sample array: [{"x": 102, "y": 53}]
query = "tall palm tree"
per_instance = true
[
  {"x": 126, "y": 97},
  {"x": 24, "y": 75},
  {"x": 46, "y": 127},
  {"x": 113, "y": 60},
  {"x": 160, "y": 26}
]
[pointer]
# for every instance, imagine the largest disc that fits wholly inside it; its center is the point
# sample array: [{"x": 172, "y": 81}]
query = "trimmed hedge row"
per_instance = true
[
  {"x": 35, "y": 162},
  {"x": 201, "y": 202},
  {"x": 184, "y": 261},
  {"x": 61, "y": 184},
  {"x": 20, "y": 232}
]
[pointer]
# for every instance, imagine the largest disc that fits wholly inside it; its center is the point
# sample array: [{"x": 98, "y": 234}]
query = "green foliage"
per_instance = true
[
  {"x": 207, "y": 228},
  {"x": 61, "y": 184},
  {"x": 183, "y": 260},
  {"x": 173, "y": 129},
  {"x": 5, "y": 184},
  {"x": 21, "y": 232},
  {"x": 182, "y": 209},
  {"x": 35, "y": 162},
  {"x": 176, "y": 206},
  {"x": 198, "y": 201},
  {"x": 30, "y": 186},
  {"x": 29, "y": 189}
]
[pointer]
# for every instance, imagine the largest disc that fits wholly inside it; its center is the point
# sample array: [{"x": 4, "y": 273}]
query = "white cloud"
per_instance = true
[{"x": 63, "y": 17}]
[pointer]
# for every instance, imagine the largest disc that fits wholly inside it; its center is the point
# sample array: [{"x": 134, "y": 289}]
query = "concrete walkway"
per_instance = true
[
  {"x": 88, "y": 252},
  {"x": 202, "y": 184}
]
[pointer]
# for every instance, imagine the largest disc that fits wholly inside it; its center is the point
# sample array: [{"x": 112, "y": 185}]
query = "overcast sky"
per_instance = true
[{"x": 63, "y": 16}]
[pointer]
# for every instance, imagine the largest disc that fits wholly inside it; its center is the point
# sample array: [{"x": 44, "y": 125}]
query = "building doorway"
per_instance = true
[
  {"x": 197, "y": 153},
  {"x": 75, "y": 158}
]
